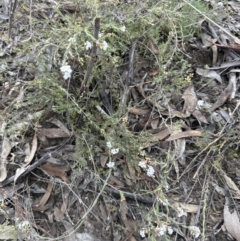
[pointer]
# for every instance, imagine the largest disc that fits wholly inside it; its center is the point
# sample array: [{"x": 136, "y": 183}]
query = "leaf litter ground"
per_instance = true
[{"x": 104, "y": 145}]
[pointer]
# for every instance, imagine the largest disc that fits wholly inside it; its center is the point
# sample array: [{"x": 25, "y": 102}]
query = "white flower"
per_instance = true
[
  {"x": 104, "y": 45},
  {"x": 181, "y": 212},
  {"x": 88, "y": 45},
  {"x": 220, "y": 4},
  {"x": 164, "y": 203},
  {"x": 66, "y": 71},
  {"x": 100, "y": 34},
  {"x": 142, "y": 233},
  {"x": 114, "y": 151},
  {"x": 170, "y": 231},
  {"x": 150, "y": 171},
  {"x": 195, "y": 231},
  {"x": 111, "y": 164},
  {"x": 123, "y": 28},
  {"x": 143, "y": 164},
  {"x": 72, "y": 40},
  {"x": 161, "y": 230},
  {"x": 109, "y": 144}
]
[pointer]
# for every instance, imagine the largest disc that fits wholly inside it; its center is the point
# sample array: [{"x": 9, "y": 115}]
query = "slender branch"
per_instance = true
[
  {"x": 92, "y": 58},
  {"x": 39, "y": 162}
]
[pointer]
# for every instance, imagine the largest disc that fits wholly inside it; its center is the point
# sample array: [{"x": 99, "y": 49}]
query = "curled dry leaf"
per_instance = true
[{"x": 209, "y": 74}]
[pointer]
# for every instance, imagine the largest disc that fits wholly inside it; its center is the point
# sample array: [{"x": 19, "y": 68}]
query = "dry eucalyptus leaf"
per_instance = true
[
  {"x": 163, "y": 134},
  {"x": 6, "y": 149},
  {"x": 231, "y": 184},
  {"x": 45, "y": 197},
  {"x": 59, "y": 124},
  {"x": 31, "y": 154},
  {"x": 55, "y": 171},
  {"x": 231, "y": 221},
  {"x": 139, "y": 111},
  {"x": 52, "y": 133},
  {"x": 189, "y": 208},
  {"x": 190, "y": 100},
  {"x": 209, "y": 74},
  {"x": 223, "y": 97},
  {"x": 184, "y": 134},
  {"x": 206, "y": 40},
  {"x": 233, "y": 80},
  {"x": 199, "y": 116}
]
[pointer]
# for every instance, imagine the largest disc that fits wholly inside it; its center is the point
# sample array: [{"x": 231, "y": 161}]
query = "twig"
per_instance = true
[
  {"x": 92, "y": 58},
  {"x": 129, "y": 76},
  {"x": 29, "y": 169},
  {"x": 237, "y": 40},
  {"x": 12, "y": 7}
]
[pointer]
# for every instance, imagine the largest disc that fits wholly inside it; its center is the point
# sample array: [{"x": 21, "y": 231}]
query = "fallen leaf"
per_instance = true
[
  {"x": 233, "y": 80},
  {"x": 184, "y": 134},
  {"x": 139, "y": 111},
  {"x": 190, "y": 100},
  {"x": 231, "y": 184},
  {"x": 209, "y": 74},
  {"x": 6, "y": 149},
  {"x": 231, "y": 221},
  {"x": 223, "y": 97},
  {"x": 199, "y": 116},
  {"x": 59, "y": 124},
  {"x": 189, "y": 208},
  {"x": 45, "y": 197},
  {"x": 53, "y": 133},
  {"x": 55, "y": 171},
  {"x": 31, "y": 154},
  {"x": 163, "y": 134}
]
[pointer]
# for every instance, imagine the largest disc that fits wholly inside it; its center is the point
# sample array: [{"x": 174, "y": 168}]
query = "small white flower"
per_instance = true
[
  {"x": 143, "y": 164},
  {"x": 109, "y": 144},
  {"x": 100, "y": 34},
  {"x": 114, "y": 151},
  {"x": 23, "y": 224},
  {"x": 88, "y": 45},
  {"x": 123, "y": 28},
  {"x": 66, "y": 71},
  {"x": 72, "y": 40},
  {"x": 195, "y": 231},
  {"x": 161, "y": 230},
  {"x": 181, "y": 212},
  {"x": 111, "y": 164},
  {"x": 220, "y": 4},
  {"x": 104, "y": 45},
  {"x": 170, "y": 231},
  {"x": 142, "y": 233},
  {"x": 164, "y": 203},
  {"x": 150, "y": 171}
]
